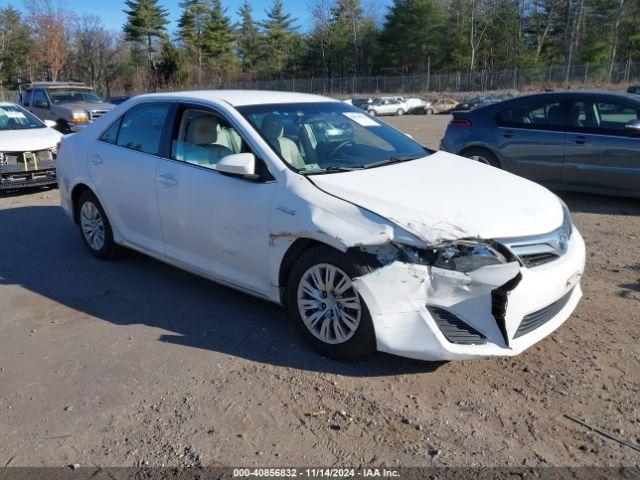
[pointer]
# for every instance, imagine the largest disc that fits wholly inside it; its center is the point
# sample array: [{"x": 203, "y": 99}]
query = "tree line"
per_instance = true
[{"x": 344, "y": 38}]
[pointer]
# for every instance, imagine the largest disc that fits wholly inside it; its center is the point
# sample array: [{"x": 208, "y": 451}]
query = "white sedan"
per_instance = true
[
  {"x": 371, "y": 241},
  {"x": 27, "y": 149}
]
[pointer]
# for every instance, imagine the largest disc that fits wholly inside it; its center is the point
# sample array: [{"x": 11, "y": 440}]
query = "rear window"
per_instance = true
[{"x": 140, "y": 128}]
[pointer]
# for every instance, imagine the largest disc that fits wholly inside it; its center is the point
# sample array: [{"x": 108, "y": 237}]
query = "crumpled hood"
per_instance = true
[
  {"x": 28, "y": 140},
  {"x": 444, "y": 197}
]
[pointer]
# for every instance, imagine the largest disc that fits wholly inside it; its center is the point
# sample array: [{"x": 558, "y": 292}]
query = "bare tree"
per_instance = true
[{"x": 50, "y": 36}]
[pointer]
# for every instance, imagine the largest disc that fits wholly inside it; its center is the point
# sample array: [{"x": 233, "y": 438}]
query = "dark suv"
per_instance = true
[{"x": 583, "y": 141}]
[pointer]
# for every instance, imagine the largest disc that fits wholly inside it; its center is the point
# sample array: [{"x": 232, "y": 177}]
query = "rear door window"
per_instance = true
[
  {"x": 536, "y": 115},
  {"x": 142, "y": 127}
]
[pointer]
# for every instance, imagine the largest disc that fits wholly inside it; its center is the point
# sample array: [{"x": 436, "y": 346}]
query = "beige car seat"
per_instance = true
[
  {"x": 203, "y": 132},
  {"x": 273, "y": 129}
]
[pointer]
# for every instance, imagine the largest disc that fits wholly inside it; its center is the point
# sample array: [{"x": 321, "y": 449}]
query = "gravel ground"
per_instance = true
[{"x": 134, "y": 362}]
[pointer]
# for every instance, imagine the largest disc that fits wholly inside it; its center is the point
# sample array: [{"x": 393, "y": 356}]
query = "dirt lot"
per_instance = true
[{"x": 134, "y": 362}]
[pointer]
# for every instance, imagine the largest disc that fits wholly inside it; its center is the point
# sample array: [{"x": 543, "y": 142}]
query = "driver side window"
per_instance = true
[{"x": 202, "y": 138}]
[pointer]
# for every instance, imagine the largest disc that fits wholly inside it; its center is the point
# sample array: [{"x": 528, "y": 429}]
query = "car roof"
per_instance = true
[
  {"x": 239, "y": 98},
  {"x": 577, "y": 93}
]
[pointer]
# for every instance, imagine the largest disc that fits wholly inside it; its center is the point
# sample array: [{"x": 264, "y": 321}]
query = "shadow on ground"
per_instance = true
[{"x": 44, "y": 253}]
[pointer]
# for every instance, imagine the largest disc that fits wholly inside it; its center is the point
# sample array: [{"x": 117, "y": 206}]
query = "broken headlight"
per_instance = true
[{"x": 462, "y": 256}]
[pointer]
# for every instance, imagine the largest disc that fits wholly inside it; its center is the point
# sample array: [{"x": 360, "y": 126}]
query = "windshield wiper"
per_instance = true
[
  {"x": 330, "y": 170},
  {"x": 391, "y": 160}
]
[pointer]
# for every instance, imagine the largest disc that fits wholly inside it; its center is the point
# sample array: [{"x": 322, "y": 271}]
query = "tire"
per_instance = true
[
  {"x": 63, "y": 127},
  {"x": 399, "y": 112},
  {"x": 428, "y": 111},
  {"x": 95, "y": 228},
  {"x": 359, "y": 338},
  {"x": 482, "y": 155},
  {"x": 372, "y": 113}
]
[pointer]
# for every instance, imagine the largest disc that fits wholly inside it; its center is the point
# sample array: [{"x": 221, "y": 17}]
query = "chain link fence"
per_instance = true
[{"x": 615, "y": 76}]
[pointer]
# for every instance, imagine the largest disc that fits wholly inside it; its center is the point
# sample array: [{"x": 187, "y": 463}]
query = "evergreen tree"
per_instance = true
[
  {"x": 14, "y": 46},
  {"x": 171, "y": 72},
  {"x": 191, "y": 27},
  {"x": 279, "y": 33},
  {"x": 218, "y": 38},
  {"x": 146, "y": 21},
  {"x": 248, "y": 38},
  {"x": 412, "y": 34}
]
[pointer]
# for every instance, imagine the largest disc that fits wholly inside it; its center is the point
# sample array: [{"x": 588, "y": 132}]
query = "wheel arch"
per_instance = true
[
  {"x": 78, "y": 190},
  {"x": 482, "y": 146},
  {"x": 304, "y": 244}
]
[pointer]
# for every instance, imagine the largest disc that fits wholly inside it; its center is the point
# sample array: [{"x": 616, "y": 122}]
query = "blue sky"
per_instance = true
[{"x": 110, "y": 11}]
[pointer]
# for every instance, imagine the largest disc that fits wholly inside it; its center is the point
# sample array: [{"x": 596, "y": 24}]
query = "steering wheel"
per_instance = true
[{"x": 340, "y": 147}]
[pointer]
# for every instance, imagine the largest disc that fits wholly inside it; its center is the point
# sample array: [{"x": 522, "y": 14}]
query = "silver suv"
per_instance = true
[{"x": 71, "y": 105}]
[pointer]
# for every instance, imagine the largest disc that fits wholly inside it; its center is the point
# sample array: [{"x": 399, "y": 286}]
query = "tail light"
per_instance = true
[{"x": 460, "y": 122}]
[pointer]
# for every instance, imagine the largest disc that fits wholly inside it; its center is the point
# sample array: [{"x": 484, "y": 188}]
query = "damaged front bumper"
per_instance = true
[
  {"x": 429, "y": 313},
  {"x": 19, "y": 176}
]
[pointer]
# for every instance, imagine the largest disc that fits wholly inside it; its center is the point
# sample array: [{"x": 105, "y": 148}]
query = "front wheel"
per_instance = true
[
  {"x": 95, "y": 227},
  {"x": 400, "y": 112},
  {"x": 326, "y": 307},
  {"x": 372, "y": 113}
]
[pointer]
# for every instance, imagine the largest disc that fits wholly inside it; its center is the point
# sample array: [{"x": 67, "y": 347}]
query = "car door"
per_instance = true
[
  {"x": 40, "y": 104},
  {"x": 213, "y": 223},
  {"x": 530, "y": 139},
  {"x": 601, "y": 151},
  {"x": 122, "y": 164}
]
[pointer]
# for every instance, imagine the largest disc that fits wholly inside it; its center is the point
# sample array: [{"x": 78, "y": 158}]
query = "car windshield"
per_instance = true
[
  {"x": 330, "y": 137},
  {"x": 73, "y": 95},
  {"x": 15, "y": 118}
]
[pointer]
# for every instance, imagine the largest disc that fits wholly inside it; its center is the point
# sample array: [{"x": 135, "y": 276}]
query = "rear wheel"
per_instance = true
[
  {"x": 372, "y": 113},
  {"x": 324, "y": 303},
  {"x": 482, "y": 155},
  {"x": 95, "y": 227}
]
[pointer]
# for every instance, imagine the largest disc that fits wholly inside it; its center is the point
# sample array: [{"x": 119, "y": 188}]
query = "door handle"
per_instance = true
[
  {"x": 167, "y": 180},
  {"x": 97, "y": 159},
  {"x": 507, "y": 134},
  {"x": 580, "y": 140}
]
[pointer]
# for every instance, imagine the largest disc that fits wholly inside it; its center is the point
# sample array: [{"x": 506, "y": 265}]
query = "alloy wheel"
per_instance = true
[
  {"x": 329, "y": 304},
  {"x": 92, "y": 226}
]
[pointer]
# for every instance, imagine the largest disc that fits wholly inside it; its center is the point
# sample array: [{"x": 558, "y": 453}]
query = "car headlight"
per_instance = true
[
  {"x": 467, "y": 256},
  {"x": 462, "y": 256},
  {"x": 567, "y": 224},
  {"x": 79, "y": 117}
]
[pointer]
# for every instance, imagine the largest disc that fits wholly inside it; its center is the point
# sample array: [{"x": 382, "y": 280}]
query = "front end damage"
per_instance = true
[
  {"x": 425, "y": 311},
  {"x": 27, "y": 169}
]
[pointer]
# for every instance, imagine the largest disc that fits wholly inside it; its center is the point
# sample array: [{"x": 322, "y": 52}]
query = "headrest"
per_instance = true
[
  {"x": 203, "y": 130},
  {"x": 272, "y": 126}
]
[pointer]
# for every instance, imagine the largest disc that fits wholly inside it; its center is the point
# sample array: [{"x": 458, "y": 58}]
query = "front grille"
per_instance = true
[
  {"x": 454, "y": 329},
  {"x": 537, "y": 319},
  {"x": 95, "y": 114},
  {"x": 535, "y": 259}
]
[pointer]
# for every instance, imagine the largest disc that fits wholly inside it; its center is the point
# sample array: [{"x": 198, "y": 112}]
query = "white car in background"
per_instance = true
[
  {"x": 387, "y": 106},
  {"x": 28, "y": 148},
  {"x": 371, "y": 241}
]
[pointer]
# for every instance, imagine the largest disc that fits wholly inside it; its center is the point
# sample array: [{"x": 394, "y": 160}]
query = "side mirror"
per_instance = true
[
  {"x": 42, "y": 104},
  {"x": 50, "y": 123},
  {"x": 238, "y": 165},
  {"x": 633, "y": 126}
]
